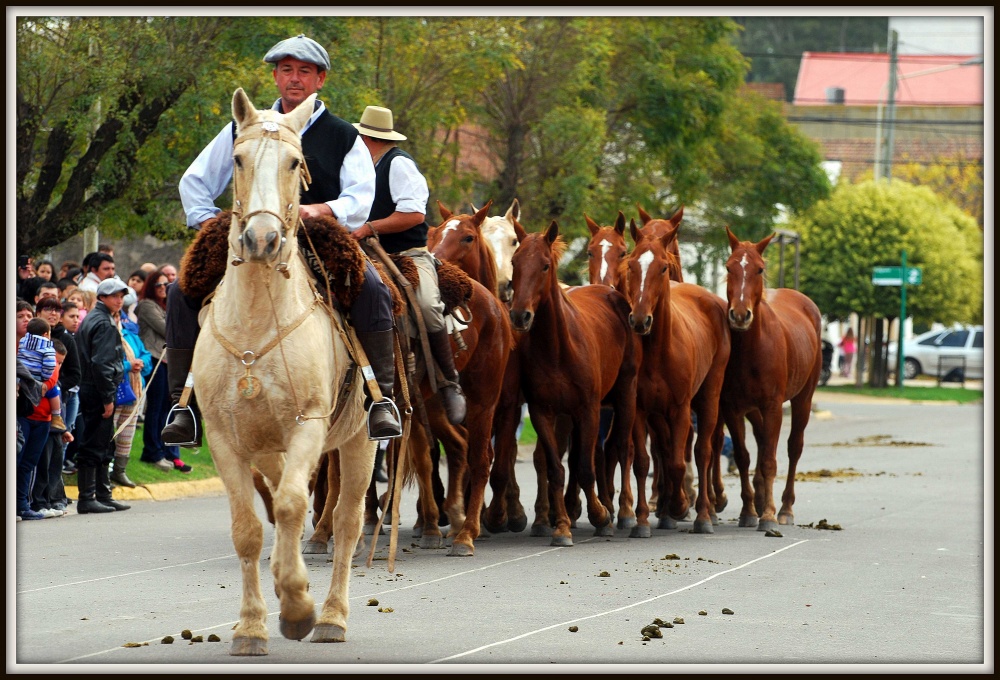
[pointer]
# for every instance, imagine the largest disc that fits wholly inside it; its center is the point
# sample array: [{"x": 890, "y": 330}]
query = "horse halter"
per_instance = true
[{"x": 270, "y": 130}]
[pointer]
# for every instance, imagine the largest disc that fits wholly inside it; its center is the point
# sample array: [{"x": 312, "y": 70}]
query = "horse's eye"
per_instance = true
[
  {"x": 295, "y": 163},
  {"x": 621, "y": 256},
  {"x": 238, "y": 162},
  {"x": 514, "y": 243},
  {"x": 545, "y": 268},
  {"x": 467, "y": 239},
  {"x": 590, "y": 255},
  {"x": 664, "y": 270},
  {"x": 760, "y": 271}
]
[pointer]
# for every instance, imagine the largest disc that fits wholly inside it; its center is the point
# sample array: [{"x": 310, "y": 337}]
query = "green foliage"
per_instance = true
[
  {"x": 869, "y": 224},
  {"x": 912, "y": 392}
]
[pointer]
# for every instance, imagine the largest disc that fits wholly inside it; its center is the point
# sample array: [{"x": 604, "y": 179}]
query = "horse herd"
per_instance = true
[{"x": 638, "y": 346}]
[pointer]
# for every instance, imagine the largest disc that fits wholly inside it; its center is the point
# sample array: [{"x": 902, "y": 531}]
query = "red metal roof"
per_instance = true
[{"x": 922, "y": 80}]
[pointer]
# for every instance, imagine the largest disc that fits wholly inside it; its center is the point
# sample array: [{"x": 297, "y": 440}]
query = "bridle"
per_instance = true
[{"x": 269, "y": 130}]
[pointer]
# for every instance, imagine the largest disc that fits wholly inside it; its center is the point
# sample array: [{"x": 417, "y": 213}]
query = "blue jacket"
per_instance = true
[{"x": 130, "y": 331}]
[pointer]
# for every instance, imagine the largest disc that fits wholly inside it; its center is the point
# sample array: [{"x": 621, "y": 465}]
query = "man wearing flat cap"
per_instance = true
[
  {"x": 99, "y": 343},
  {"x": 343, "y": 185}
]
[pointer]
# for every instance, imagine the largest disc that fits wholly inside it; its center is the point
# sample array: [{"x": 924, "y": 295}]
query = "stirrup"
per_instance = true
[
  {"x": 368, "y": 422},
  {"x": 177, "y": 408}
]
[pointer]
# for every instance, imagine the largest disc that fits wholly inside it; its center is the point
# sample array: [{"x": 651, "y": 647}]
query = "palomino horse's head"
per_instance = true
[
  {"x": 268, "y": 171},
  {"x": 745, "y": 279},
  {"x": 606, "y": 251},
  {"x": 651, "y": 226},
  {"x": 647, "y": 274},
  {"x": 504, "y": 234},
  {"x": 535, "y": 277}
]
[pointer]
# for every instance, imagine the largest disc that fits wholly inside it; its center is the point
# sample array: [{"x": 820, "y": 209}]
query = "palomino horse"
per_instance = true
[
  {"x": 685, "y": 348},
  {"x": 504, "y": 234},
  {"x": 575, "y": 353},
  {"x": 776, "y": 357},
  {"x": 271, "y": 366}
]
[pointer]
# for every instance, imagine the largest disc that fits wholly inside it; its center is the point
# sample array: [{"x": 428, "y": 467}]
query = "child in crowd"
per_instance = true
[{"x": 39, "y": 356}]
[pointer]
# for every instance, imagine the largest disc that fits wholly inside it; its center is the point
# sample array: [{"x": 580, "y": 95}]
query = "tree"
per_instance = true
[
  {"x": 869, "y": 224},
  {"x": 959, "y": 179},
  {"x": 90, "y": 93}
]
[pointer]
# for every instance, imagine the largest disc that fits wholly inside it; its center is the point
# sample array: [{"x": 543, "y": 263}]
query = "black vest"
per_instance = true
[
  {"x": 383, "y": 206},
  {"x": 325, "y": 145}
]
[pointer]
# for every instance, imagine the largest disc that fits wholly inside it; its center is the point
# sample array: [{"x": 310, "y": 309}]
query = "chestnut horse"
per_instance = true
[
  {"x": 685, "y": 349},
  {"x": 575, "y": 353},
  {"x": 776, "y": 357}
]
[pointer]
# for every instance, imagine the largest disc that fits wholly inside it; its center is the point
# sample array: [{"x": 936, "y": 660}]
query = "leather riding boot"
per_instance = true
[
  {"x": 103, "y": 489},
  {"x": 118, "y": 475},
  {"x": 379, "y": 459},
  {"x": 183, "y": 429},
  {"x": 451, "y": 393},
  {"x": 86, "y": 479},
  {"x": 382, "y": 420}
]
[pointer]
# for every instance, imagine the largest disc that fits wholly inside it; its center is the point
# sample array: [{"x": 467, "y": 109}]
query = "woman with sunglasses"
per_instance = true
[{"x": 151, "y": 311}]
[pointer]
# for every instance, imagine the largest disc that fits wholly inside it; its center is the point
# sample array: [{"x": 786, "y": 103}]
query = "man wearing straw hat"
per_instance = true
[
  {"x": 343, "y": 186},
  {"x": 397, "y": 220}
]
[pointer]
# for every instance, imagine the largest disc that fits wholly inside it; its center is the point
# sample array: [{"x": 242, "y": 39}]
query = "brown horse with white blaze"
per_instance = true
[
  {"x": 685, "y": 349},
  {"x": 575, "y": 353},
  {"x": 776, "y": 357}
]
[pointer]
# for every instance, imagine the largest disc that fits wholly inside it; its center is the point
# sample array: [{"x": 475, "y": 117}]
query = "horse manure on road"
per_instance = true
[
  {"x": 651, "y": 631},
  {"x": 373, "y": 602},
  {"x": 671, "y": 556},
  {"x": 604, "y": 574},
  {"x": 773, "y": 533},
  {"x": 168, "y": 640},
  {"x": 186, "y": 634},
  {"x": 573, "y": 629},
  {"x": 136, "y": 644},
  {"x": 878, "y": 440},
  {"x": 702, "y": 613},
  {"x": 214, "y": 638},
  {"x": 727, "y": 610}
]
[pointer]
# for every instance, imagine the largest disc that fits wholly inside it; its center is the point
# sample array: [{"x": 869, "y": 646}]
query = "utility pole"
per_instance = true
[{"x": 885, "y": 164}]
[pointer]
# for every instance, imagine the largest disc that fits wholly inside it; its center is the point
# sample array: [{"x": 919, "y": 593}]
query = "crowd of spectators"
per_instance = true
[{"x": 71, "y": 420}]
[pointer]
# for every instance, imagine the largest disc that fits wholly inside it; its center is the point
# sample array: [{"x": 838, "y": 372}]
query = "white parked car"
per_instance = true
[{"x": 938, "y": 353}]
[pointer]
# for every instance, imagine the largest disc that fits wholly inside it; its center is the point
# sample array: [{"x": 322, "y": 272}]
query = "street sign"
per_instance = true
[{"x": 893, "y": 276}]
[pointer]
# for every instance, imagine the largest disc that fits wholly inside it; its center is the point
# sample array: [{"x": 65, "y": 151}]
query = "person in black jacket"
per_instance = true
[{"x": 102, "y": 359}]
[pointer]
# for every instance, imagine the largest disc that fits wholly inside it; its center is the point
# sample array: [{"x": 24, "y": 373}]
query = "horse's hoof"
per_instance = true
[
  {"x": 296, "y": 630},
  {"x": 626, "y": 522},
  {"x": 542, "y": 530},
  {"x": 606, "y": 530},
  {"x": 245, "y": 646},
  {"x": 640, "y": 531},
  {"x": 748, "y": 521},
  {"x": 517, "y": 524},
  {"x": 369, "y": 529},
  {"x": 328, "y": 632},
  {"x": 431, "y": 542},
  {"x": 461, "y": 550},
  {"x": 418, "y": 532},
  {"x": 769, "y": 525},
  {"x": 666, "y": 522},
  {"x": 786, "y": 519},
  {"x": 720, "y": 504},
  {"x": 314, "y": 548},
  {"x": 359, "y": 549},
  {"x": 702, "y": 526},
  {"x": 483, "y": 532},
  {"x": 562, "y": 541},
  {"x": 715, "y": 519}
]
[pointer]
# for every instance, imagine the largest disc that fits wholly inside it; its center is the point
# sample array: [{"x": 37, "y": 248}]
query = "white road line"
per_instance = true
[
  {"x": 130, "y": 573},
  {"x": 612, "y": 611}
]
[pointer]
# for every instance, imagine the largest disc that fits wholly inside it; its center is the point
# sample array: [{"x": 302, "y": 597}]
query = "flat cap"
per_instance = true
[
  {"x": 111, "y": 286},
  {"x": 302, "y": 48}
]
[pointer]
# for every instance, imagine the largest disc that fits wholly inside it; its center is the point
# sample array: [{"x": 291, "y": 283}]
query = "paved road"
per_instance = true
[{"x": 907, "y": 580}]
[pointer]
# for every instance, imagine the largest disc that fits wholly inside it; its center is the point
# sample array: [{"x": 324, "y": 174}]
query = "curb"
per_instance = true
[{"x": 164, "y": 491}]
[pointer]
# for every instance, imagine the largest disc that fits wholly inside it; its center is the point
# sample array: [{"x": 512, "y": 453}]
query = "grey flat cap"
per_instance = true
[
  {"x": 111, "y": 286},
  {"x": 302, "y": 48}
]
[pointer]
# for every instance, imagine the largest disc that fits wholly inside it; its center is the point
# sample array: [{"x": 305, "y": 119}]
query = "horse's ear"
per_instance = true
[
  {"x": 513, "y": 212},
  {"x": 242, "y": 108},
  {"x": 593, "y": 226},
  {"x": 734, "y": 242},
  {"x": 298, "y": 118},
  {"x": 760, "y": 246},
  {"x": 635, "y": 231},
  {"x": 445, "y": 213},
  {"x": 481, "y": 214},
  {"x": 519, "y": 231},
  {"x": 552, "y": 232},
  {"x": 620, "y": 223},
  {"x": 643, "y": 215},
  {"x": 431, "y": 238},
  {"x": 676, "y": 218},
  {"x": 667, "y": 236}
]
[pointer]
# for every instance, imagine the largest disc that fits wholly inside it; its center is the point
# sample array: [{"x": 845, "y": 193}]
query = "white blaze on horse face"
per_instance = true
[
  {"x": 645, "y": 260},
  {"x": 605, "y": 247},
  {"x": 743, "y": 281},
  {"x": 450, "y": 226}
]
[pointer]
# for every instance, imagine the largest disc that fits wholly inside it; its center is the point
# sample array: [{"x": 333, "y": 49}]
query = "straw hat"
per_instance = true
[{"x": 376, "y": 122}]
